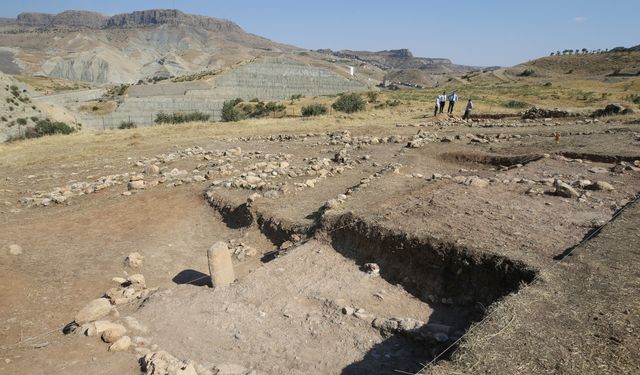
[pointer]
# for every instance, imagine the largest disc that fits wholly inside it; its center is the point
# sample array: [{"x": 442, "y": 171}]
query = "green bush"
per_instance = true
[
  {"x": 274, "y": 107},
  {"x": 127, "y": 125},
  {"x": 179, "y": 117},
  {"x": 314, "y": 110},
  {"x": 296, "y": 96},
  {"x": 230, "y": 112},
  {"x": 349, "y": 103},
  {"x": 516, "y": 104},
  {"x": 22, "y": 121},
  {"x": 47, "y": 127}
]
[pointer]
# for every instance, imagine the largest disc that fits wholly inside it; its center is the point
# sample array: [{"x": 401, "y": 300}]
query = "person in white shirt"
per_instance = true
[
  {"x": 453, "y": 98},
  {"x": 435, "y": 111},
  {"x": 467, "y": 112},
  {"x": 443, "y": 99}
]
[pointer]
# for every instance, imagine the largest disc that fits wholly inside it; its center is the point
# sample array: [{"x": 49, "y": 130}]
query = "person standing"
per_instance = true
[
  {"x": 467, "y": 112},
  {"x": 435, "y": 111},
  {"x": 443, "y": 99},
  {"x": 453, "y": 98}
]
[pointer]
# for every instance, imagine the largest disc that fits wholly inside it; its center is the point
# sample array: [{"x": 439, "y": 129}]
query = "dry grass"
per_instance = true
[
  {"x": 98, "y": 107},
  {"x": 48, "y": 85}
]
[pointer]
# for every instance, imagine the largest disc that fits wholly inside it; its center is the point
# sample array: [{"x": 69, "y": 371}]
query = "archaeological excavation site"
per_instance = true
[{"x": 222, "y": 204}]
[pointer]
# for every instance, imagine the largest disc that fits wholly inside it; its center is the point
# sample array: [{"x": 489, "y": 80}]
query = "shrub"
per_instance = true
[
  {"x": 516, "y": 104},
  {"x": 254, "y": 100},
  {"x": 95, "y": 108},
  {"x": 314, "y": 110},
  {"x": 349, "y": 103},
  {"x": 372, "y": 96},
  {"x": 296, "y": 96},
  {"x": 230, "y": 112},
  {"x": 47, "y": 127},
  {"x": 127, "y": 125},
  {"x": 3, "y": 119},
  {"x": 274, "y": 107},
  {"x": 22, "y": 121},
  {"x": 179, "y": 117},
  {"x": 527, "y": 73},
  {"x": 34, "y": 118}
]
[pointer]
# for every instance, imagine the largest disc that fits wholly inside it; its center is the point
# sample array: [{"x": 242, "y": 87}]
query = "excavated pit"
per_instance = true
[
  {"x": 455, "y": 284},
  {"x": 431, "y": 269},
  {"x": 489, "y": 159}
]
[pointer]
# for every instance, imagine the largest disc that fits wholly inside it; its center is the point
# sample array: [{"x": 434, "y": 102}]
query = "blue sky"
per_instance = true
[{"x": 469, "y": 32}]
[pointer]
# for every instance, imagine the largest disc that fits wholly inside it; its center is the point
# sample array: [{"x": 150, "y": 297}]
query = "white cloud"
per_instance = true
[{"x": 579, "y": 19}]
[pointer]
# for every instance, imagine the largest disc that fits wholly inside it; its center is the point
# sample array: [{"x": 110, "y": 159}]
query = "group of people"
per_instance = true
[{"x": 453, "y": 98}]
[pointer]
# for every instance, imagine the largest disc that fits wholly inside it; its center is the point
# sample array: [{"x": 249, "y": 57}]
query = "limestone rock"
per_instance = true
[
  {"x": 122, "y": 344},
  {"x": 229, "y": 369},
  {"x": 95, "y": 310},
  {"x": 136, "y": 185},
  {"x": 137, "y": 280},
  {"x": 220, "y": 265},
  {"x": 15, "y": 249},
  {"x": 163, "y": 363},
  {"x": 565, "y": 190},
  {"x": 600, "y": 185},
  {"x": 113, "y": 333},
  {"x": 134, "y": 260},
  {"x": 151, "y": 169}
]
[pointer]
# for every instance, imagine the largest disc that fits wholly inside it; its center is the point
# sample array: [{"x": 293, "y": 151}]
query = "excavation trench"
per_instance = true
[
  {"x": 489, "y": 159},
  {"x": 455, "y": 283}
]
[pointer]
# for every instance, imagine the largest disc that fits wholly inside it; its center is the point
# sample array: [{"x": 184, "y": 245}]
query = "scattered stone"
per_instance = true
[
  {"x": 134, "y": 260},
  {"x": 600, "y": 185},
  {"x": 565, "y": 190},
  {"x": 95, "y": 310},
  {"x": 220, "y": 265},
  {"x": 121, "y": 345},
  {"x": 331, "y": 204},
  {"x": 137, "y": 281},
  {"x": 113, "y": 333},
  {"x": 151, "y": 169},
  {"x": 15, "y": 249},
  {"x": 477, "y": 182},
  {"x": 136, "y": 185},
  {"x": 229, "y": 369},
  {"x": 348, "y": 310}
]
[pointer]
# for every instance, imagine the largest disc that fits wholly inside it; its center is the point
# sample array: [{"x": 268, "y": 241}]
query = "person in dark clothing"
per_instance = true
[
  {"x": 467, "y": 112},
  {"x": 453, "y": 98},
  {"x": 443, "y": 99}
]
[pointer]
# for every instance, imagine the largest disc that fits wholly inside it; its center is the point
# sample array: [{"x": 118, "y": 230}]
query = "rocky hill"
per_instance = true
[
  {"x": 126, "y": 48},
  {"x": 402, "y": 66},
  {"x": 158, "y": 44},
  {"x": 17, "y": 111}
]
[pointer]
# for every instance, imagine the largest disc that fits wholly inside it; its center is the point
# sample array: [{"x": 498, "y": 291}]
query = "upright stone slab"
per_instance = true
[{"x": 220, "y": 265}]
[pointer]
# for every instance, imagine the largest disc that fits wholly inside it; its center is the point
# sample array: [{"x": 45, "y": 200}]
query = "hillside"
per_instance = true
[
  {"x": 157, "y": 44},
  {"x": 17, "y": 111},
  {"x": 127, "y": 47},
  {"x": 401, "y": 66}
]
